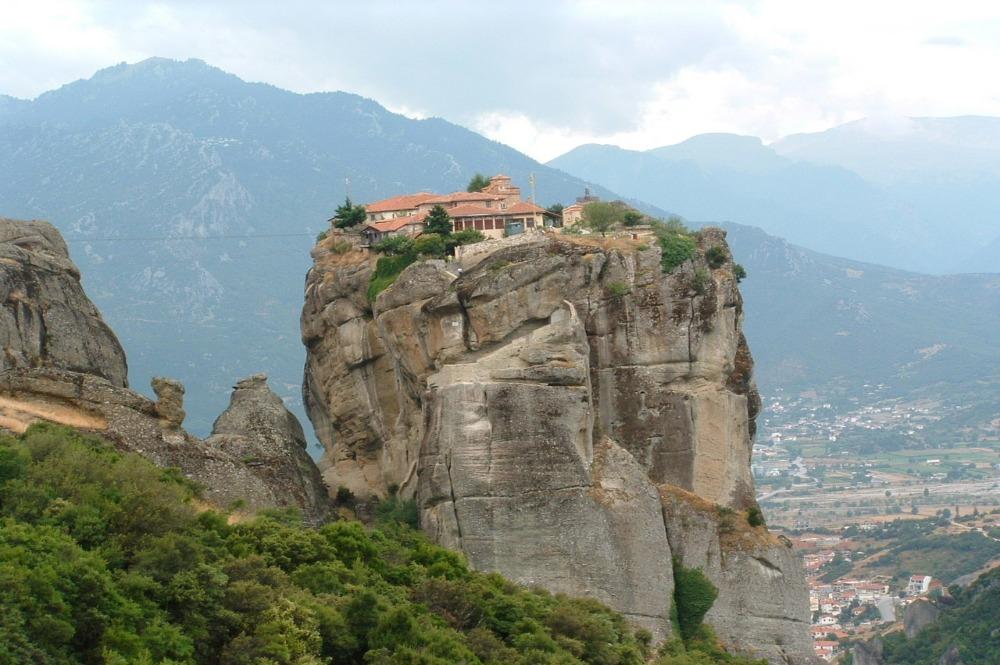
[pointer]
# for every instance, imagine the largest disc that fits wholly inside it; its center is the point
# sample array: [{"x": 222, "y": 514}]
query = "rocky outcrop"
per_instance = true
[
  {"x": 867, "y": 653},
  {"x": 63, "y": 364},
  {"x": 266, "y": 437},
  {"x": 919, "y": 614},
  {"x": 46, "y": 319},
  {"x": 562, "y": 412}
]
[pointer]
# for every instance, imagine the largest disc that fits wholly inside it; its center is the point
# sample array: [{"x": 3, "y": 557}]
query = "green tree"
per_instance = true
[
  {"x": 478, "y": 183},
  {"x": 430, "y": 244},
  {"x": 463, "y": 237},
  {"x": 438, "y": 221},
  {"x": 632, "y": 218},
  {"x": 556, "y": 209},
  {"x": 394, "y": 246},
  {"x": 601, "y": 216},
  {"x": 349, "y": 215},
  {"x": 715, "y": 256}
]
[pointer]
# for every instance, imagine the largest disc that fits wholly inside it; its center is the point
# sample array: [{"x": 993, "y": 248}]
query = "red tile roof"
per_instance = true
[
  {"x": 524, "y": 207},
  {"x": 459, "y": 197},
  {"x": 475, "y": 211},
  {"x": 404, "y": 202},
  {"x": 397, "y": 223}
]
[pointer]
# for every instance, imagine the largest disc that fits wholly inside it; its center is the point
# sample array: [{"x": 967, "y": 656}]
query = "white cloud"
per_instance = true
[{"x": 544, "y": 77}]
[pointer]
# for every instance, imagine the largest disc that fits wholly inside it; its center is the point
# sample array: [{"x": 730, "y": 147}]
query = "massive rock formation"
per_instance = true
[
  {"x": 563, "y": 413},
  {"x": 63, "y": 364},
  {"x": 46, "y": 319}
]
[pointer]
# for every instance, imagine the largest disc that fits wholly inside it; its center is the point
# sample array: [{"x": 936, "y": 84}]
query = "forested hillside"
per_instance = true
[{"x": 105, "y": 558}]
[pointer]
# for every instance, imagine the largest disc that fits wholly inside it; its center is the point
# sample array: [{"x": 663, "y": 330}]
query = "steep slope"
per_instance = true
[
  {"x": 924, "y": 200},
  {"x": 135, "y": 161},
  {"x": 563, "y": 413},
  {"x": 62, "y": 364}
]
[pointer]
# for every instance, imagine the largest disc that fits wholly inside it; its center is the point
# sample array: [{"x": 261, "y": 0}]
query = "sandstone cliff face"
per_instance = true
[
  {"x": 46, "y": 319},
  {"x": 539, "y": 401},
  {"x": 63, "y": 364}
]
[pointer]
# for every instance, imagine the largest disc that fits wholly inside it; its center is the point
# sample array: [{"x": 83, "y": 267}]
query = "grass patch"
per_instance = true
[{"x": 387, "y": 269}]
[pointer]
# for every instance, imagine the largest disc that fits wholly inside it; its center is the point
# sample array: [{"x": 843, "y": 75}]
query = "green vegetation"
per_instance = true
[
  {"x": 438, "y": 221},
  {"x": 478, "y": 183},
  {"x": 739, "y": 272},
  {"x": 693, "y": 597},
  {"x": 430, "y": 245},
  {"x": 387, "y": 269},
  {"x": 716, "y": 257},
  {"x": 944, "y": 556},
  {"x": 321, "y": 236},
  {"x": 969, "y": 622},
  {"x": 349, "y": 215},
  {"x": 618, "y": 289},
  {"x": 632, "y": 218},
  {"x": 556, "y": 209},
  {"x": 106, "y": 560},
  {"x": 755, "y": 517},
  {"x": 394, "y": 246},
  {"x": 677, "y": 243},
  {"x": 601, "y": 217},
  {"x": 464, "y": 237}
]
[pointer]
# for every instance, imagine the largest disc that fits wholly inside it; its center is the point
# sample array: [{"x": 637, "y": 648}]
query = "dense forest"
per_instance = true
[{"x": 105, "y": 558}]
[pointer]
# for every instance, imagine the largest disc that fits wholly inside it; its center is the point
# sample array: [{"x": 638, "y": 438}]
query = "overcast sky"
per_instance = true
[{"x": 543, "y": 75}]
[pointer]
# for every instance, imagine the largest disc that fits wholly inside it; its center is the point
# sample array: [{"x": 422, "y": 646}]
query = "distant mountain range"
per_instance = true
[
  {"x": 830, "y": 325},
  {"x": 133, "y": 162},
  {"x": 922, "y": 195},
  {"x": 191, "y": 198}
]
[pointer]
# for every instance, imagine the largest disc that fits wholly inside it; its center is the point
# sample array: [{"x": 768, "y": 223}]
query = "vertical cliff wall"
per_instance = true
[{"x": 564, "y": 413}]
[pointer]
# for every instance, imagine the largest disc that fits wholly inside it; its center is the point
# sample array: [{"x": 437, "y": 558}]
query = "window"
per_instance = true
[{"x": 479, "y": 225}]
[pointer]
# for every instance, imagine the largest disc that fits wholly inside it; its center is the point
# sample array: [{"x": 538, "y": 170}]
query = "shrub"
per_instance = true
[
  {"x": 430, "y": 244},
  {"x": 694, "y": 595},
  {"x": 341, "y": 247},
  {"x": 618, "y": 289},
  {"x": 677, "y": 244},
  {"x": 394, "y": 246},
  {"x": 386, "y": 271},
  {"x": 716, "y": 257},
  {"x": 321, "y": 236},
  {"x": 755, "y": 517},
  {"x": 464, "y": 237},
  {"x": 345, "y": 497},
  {"x": 739, "y": 272},
  {"x": 632, "y": 218}
]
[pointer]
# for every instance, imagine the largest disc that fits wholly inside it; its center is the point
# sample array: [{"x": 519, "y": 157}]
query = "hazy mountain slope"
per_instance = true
[
  {"x": 142, "y": 153},
  {"x": 936, "y": 220},
  {"x": 818, "y": 322}
]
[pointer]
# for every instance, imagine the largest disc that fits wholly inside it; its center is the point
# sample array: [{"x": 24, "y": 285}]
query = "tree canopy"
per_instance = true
[
  {"x": 349, "y": 215},
  {"x": 438, "y": 221},
  {"x": 478, "y": 183},
  {"x": 601, "y": 216}
]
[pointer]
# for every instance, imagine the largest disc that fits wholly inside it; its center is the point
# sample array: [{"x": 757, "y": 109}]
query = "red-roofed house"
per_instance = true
[
  {"x": 397, "y": 206},
  {"x": 496, "y": 211},
  {"x": 410, "y": 225}
]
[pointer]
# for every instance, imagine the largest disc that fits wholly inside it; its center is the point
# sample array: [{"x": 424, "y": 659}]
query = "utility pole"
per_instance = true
[{"x": 531, "y": 181}]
